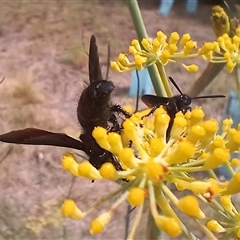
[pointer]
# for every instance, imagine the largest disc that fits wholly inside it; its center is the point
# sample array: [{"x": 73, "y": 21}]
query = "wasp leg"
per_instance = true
[
  {"x": 117, "y": 108},
  {"x": 152, "y": 111}
]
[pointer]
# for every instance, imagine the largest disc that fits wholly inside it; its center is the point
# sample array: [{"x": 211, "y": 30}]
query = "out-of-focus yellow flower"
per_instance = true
[
  {"x": 151, "y": 159},
  {"x": 220, "y": 21},
  {"x": 158, "y": 50},
  {"x": 224, "y": 50}
]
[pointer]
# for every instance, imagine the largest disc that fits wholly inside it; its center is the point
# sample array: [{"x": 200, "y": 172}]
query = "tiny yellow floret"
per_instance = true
[
  {"x": 136, "y": 196},
  {"x": 190, "y": 206},
  {"x": 70, "y": 209},
  {"x": 214, "y": 226},
  {"x": 108, "y": 171},
  {"x": 168, "y": 225},
  {"x": 98, "y": 224}
]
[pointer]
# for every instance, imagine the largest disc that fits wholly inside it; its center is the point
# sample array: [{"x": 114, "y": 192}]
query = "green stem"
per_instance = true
[
  {"x": 141, "y": 33},
  {"x": 165, "y": 82}
]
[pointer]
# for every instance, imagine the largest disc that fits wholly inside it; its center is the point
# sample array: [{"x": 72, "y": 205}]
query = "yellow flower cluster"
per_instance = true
[
  {"x": 153, "y": 163},
  {"x": 159, "y": 50},
  {"x": 224, "y": 50}
]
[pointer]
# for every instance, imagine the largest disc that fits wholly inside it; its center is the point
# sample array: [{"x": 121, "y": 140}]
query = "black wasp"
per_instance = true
[
  {"x": 94, "y": 109},
  {"x": 172, "y": 105}
]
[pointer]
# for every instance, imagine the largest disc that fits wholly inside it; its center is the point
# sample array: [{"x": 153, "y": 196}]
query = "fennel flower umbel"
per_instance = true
[
  {"x": 160, "y": 50},
  {"x": 152, "y": 165}
]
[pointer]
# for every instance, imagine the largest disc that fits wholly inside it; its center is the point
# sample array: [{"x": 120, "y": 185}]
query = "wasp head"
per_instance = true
[{"x": 102, "y": 89}]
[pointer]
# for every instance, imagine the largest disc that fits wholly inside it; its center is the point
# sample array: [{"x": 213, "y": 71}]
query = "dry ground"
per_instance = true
[{"x": 45, "y": 65}]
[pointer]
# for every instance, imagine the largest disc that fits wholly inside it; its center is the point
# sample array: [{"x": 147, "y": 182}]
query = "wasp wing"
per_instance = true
[
  {"x": 34, "y": 136},
  {"x": 152, "y": 100},
  {"x": 95, "y": 73}
]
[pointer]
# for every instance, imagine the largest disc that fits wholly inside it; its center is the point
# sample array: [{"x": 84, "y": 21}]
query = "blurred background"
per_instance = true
[{"x": 43, "y": 56}]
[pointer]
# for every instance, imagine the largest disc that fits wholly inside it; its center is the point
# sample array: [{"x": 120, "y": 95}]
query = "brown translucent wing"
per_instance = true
[
  {"x": 34, "y": 136},
  {"x": 95, "y": 73},
  {"x": 152, "y": 100}
]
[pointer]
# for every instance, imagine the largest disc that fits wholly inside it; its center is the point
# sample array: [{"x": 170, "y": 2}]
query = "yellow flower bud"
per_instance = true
[
  {"x": 70, "y": 164},
  {"x": 98, "y": 224},
  {"x": 191, "y": 68},
  {"x": 128, "y": 158},
  {"x": 70, "y": 209},
  {"x": 185, "y": 38},
  {"x": 174, "y": 37},
  {"x": 136, "y": 44},
  {"x": 196, "y": 132},
  {"x": 161, "y": 122},
  {"x": 156, "y": 45},
  {"x": 85, "y": 169},
  {"x": 156, "y": 146},
  {"x": 108, "y": 171},
  {"x": 161, "y": 36},
  {"x": 233, "y": 140},
  {"x": 114, "y": 140},
  {"x": 218, "y": 157},
  {"x": 226, "y": 202},
  {"x": 168, "y": 225},
  {"x": 115, "y": 66},
  {"x": 154, "y": 170},
  {"x": 190, "y": 206},
  {"x": 100, "y": 135},
  {"x": 214, "y": 226},
  {"x": 179, "y": 125},
  {"x": 136, "y": 196},
  {"x": 197, "y": 116},
  {"x": 233, "y": 185},
  {"x": 181, "y": 153}
]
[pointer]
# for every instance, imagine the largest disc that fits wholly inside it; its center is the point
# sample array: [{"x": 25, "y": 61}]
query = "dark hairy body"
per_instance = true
[{"x": 94, "y": 109}]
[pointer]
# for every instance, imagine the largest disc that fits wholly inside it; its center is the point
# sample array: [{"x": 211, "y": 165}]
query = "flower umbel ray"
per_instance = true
[
  {"x": 159, "y": 50},
  {"x": 152, "y": 164}
]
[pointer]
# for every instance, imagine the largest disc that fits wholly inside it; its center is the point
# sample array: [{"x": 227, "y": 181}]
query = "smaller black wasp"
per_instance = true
[{"x": 172, "y": 105}]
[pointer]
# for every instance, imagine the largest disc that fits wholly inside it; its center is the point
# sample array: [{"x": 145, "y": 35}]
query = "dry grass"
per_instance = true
[{"x": 41, "y": 91}]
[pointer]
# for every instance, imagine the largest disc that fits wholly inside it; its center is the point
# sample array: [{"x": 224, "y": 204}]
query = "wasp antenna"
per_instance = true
[
  {"x": 2, "y": 80},
  {"x": 108, "y": 60},
  {"x": 175, "y": 85},
  {"x": 210, "y": 96}
]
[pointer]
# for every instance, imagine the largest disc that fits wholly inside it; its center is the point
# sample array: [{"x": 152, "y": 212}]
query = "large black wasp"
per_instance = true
[
  {"x": 94, "y": 109},
  {"x": 172, "y": 105}
]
